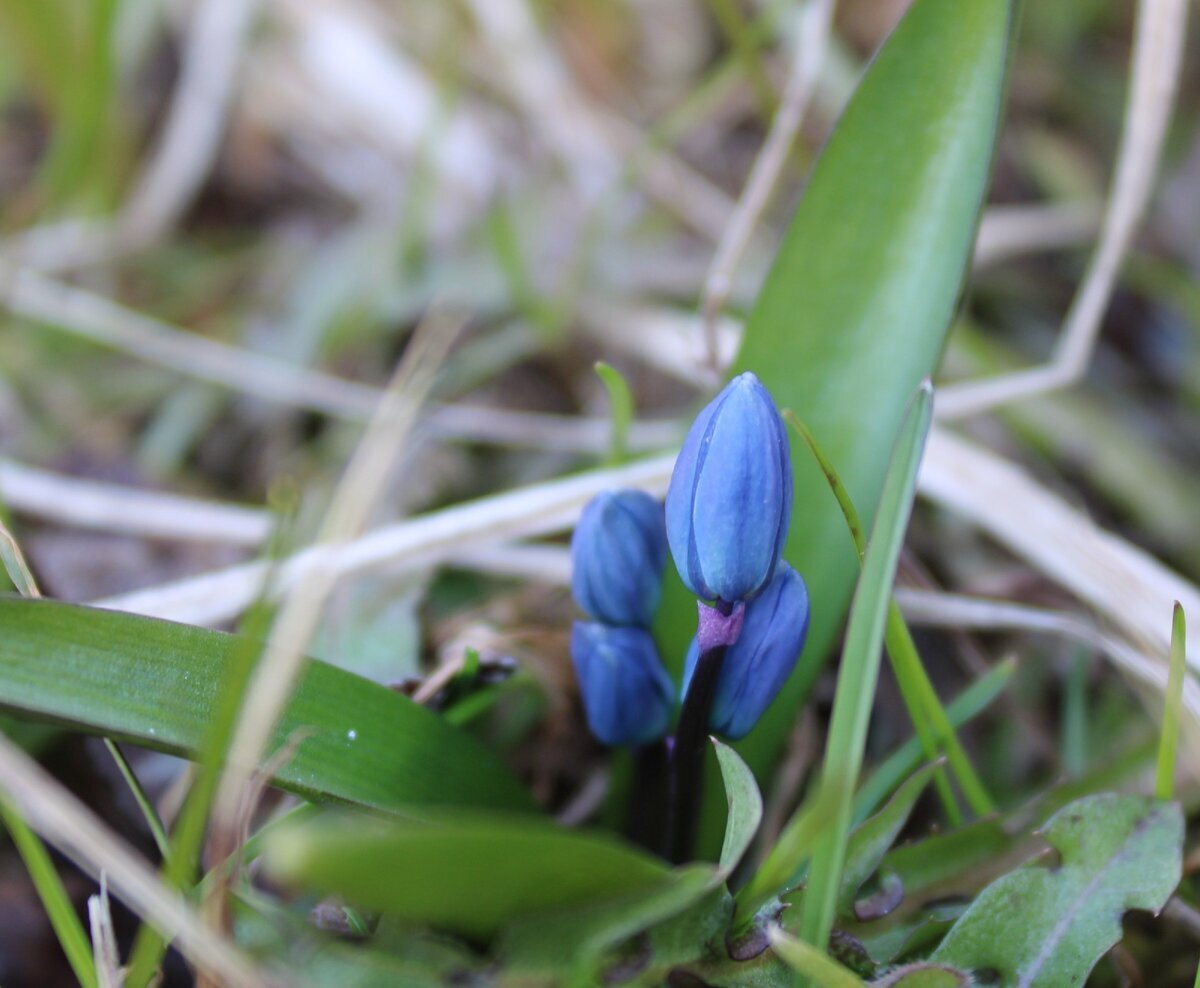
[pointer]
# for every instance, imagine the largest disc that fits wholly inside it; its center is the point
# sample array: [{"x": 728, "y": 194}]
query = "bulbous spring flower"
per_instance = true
[
  {"x": 730, "y": 498},
  {"x": 627, "y": 695},
  {"x": 759, "y": 662},
  {"x": 618, "y": 553}
]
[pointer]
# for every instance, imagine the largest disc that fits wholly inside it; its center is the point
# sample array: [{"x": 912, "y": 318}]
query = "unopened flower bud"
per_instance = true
[
  {"x": 627, "y": 695},
  {"x": 618, "y": 552},
  {"x": 758, "y": 664},
  {"x": 730, "y": 498}
]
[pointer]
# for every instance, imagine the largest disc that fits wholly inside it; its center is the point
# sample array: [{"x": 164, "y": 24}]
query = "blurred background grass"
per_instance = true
[{"x": 302, "y": 180}]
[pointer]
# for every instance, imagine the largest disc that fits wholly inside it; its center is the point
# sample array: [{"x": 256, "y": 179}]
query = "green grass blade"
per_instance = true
[
  {"x": 904, "y": 760},
  {"x": 1164, "y": 782},
  {"x": 59, "y": 910},
  {"x": 806, "y": 960},
  {"x": 156, "y": 683},
  {"x": 620, "y": 399},
  {"x": 934, "y": 731},
  {"x": 859, "y": 672},
  {"x": 149, "y": 814}
]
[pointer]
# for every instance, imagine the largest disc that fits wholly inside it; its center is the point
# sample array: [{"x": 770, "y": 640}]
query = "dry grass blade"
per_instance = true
[
  {"x": 62, "y": 820},
  {"x": 120, "y": 508},
  {"x": 476, "y": 526},
  {"x": 41, "y": 299},
  {"x": 810, "y": 50},
  {"x": 353, "y": 501},
  {"x": 1157, "y": 57},
  {"x": 1130, "y": 589},
  {"x": 104, "y": 939},
  {"x": 195, "y": 122}
]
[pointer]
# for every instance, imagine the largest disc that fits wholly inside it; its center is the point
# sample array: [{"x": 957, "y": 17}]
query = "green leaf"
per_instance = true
[
  {"x": 967, "y": 705},
  {"x": 859, "y": 672},
  {"x": 155, "y": 683},
  {"x": 620, "y": 400},
  {"x": 470, "y": 874},
  {"x": 745, "y": 808},
  {"x": 574, "y": 941},
  {"x": 813, "y": 964},
  {"x": 1042, "y": 927},
  {"x": 855, "y": 310},
  {"x": 874, "y": 837},
  {"x": 1164, "y": 782},
  {"x": 926, "y": 976}
]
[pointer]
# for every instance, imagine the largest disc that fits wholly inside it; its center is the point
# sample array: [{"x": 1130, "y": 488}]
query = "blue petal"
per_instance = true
[
  {"x": 618, "y": 552},
  {"x": 627, "y": 695},
  {"x": 758, "y": 664}
]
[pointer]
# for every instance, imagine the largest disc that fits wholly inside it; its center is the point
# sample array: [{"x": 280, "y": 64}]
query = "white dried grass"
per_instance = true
[
  {"x": 303, "y": 604},
  {"x": 1157, "y": 57},
  {"x": 815, "y": 20},
  {"x": 539, "y": 509}
]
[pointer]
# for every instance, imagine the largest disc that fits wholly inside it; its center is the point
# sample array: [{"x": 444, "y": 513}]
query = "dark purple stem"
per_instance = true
[{"x": 718, "y": 628}]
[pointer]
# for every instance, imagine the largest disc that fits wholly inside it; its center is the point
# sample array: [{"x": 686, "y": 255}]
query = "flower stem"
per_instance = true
[{"x": 686, "y": 774}]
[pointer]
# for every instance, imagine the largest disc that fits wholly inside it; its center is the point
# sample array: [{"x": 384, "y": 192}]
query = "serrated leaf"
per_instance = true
[
  {"x": 1047, "y": 926},
  {"x": 155, "y": 683}
]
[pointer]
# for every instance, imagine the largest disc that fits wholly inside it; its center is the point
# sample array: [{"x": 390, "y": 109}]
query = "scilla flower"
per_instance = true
[
  {"x": 730, "y": 497},
  {"x": 758, "y": 663},
  {"x": 618, "y": 552},
  {"x": 627, "y": 695}
]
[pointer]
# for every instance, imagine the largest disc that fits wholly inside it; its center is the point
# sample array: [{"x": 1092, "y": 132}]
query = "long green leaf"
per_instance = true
[
  {"x": 859, "y": 672},
  {"x": 154, "y": 683},
  {"x": 855, "y": 311},
  {"x": 470, "y": 874}
]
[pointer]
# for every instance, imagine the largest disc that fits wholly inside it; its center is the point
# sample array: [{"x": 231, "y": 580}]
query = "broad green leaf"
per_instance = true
[
  {"x": 859, "y": 672},
  {"x": 855, "y": 310},
  {"x": 1045, "y": 926},
  {"x": 574, "y": 941},
  {"x": 471, "y": 874},
  {"x": 155, "y": 683},
  {"x": 872, "y": 839}
]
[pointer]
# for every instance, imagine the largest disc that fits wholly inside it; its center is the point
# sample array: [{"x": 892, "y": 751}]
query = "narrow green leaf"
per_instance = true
[
  {"x": 620, "y": 399},
  {"x": 471, "y": 874},
  {"x": 745, "y": 807},
  {"x": 934, "y": 731},
  {"x": 59, "y": 908},
  {"x": 155, "y": 683},
  {"x": 1164, "y": 784},
  {"x": 874, "y": 837},
  {"x": 860, "y": 670},
  {"x": 1042, "y": 927},
  {"x": 805, "y": 959},
  {"x": 961, "y": 710}
]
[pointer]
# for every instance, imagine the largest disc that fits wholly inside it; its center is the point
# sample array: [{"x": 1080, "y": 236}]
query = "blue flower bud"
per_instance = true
[
  {"x": 760, "y": 661},
  {"x": 618, "y": 552},
  {"x": 730, "y": 498},
  {"x": 627, "y": 695}
]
